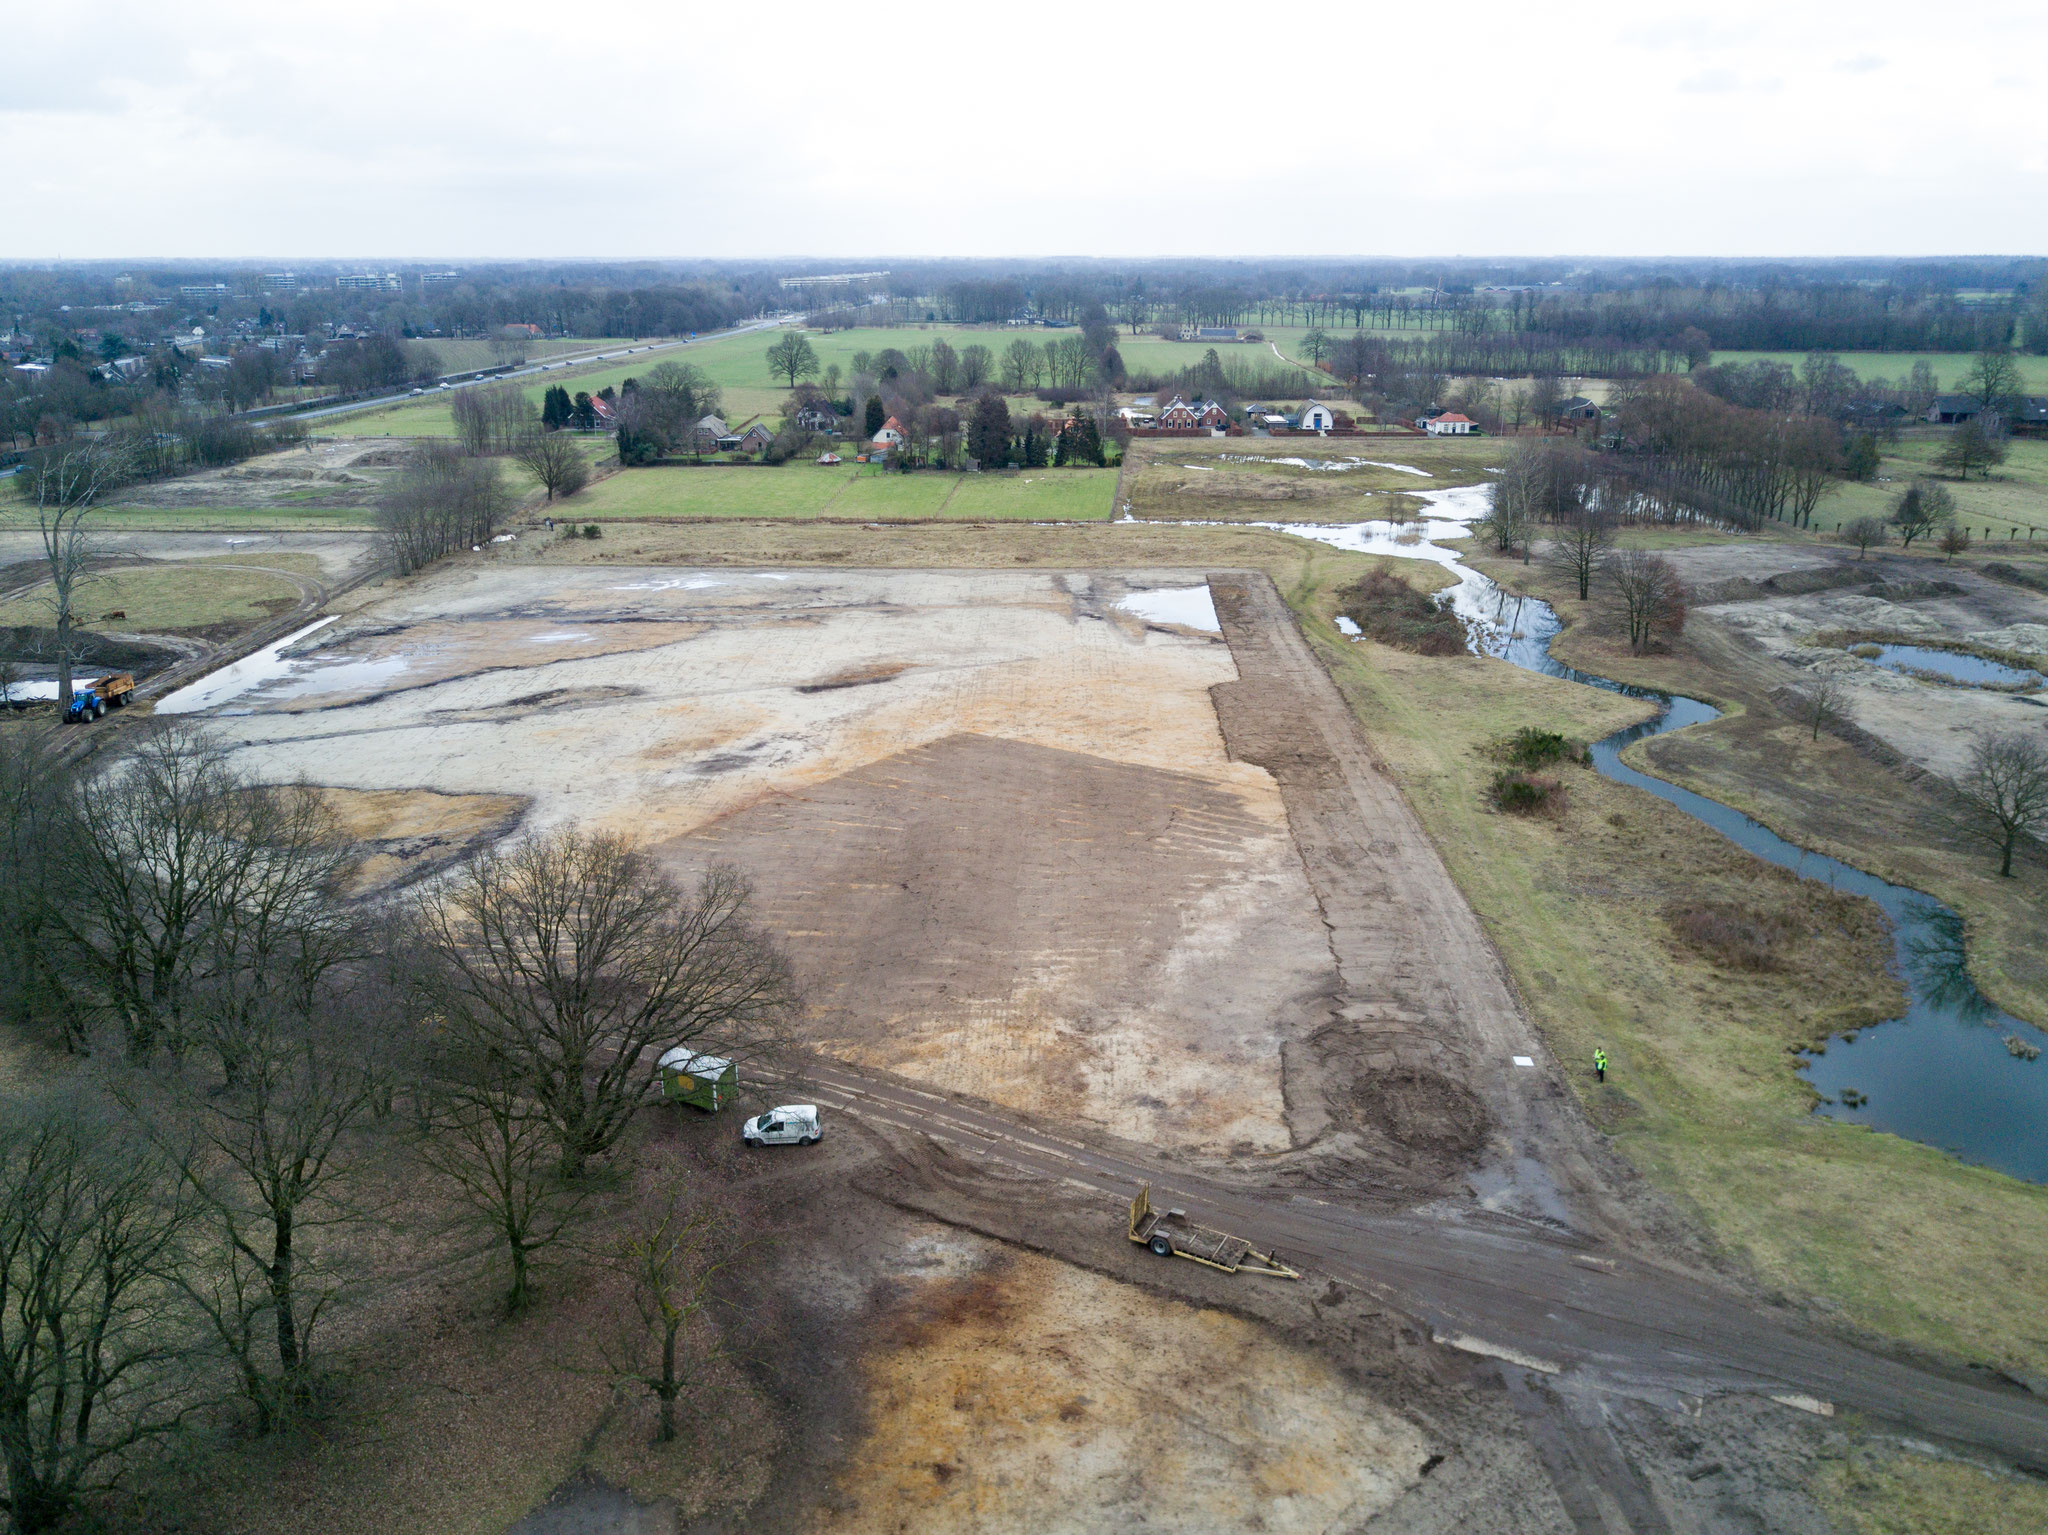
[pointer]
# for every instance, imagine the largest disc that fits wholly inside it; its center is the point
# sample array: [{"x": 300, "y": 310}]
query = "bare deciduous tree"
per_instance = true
[
  {"x": 482, "y": 1130},
  {"x": 1825, "y": 701},
  {"x": 266, "y": 1150},
  {"x": 64, "y": 483},
  {"x": 183, "y": 880},
  {"x": 791, "y": 356},
  {"x": 1866, "y": 533},
  {"x": 94, "y": 1350},
  {"x": 1651, "y": 596},
  {"x": 1954, "y": 540},
  {"x": 673, "y": 1263},
  {"x": 1579, "y": 546},
  {"x": 556, "y": 460},
  {"x": 569, "y": 957},
  {"x": 440, "y": 503},
  {"x": 2004, "y": 792}
]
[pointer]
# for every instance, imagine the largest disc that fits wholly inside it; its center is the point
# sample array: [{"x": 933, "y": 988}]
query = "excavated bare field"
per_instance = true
[
  {"x": 1784, "y": 607},
  {"x": 992, "y": 814}
]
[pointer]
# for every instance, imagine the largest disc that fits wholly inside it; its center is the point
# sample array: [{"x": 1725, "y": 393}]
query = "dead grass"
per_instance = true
[
  {"x": 1879, "y": 1491},
  {"x": 1733, "y": 937}
]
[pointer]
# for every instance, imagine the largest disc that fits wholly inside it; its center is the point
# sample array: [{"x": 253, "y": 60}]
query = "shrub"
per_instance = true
[
  {"x": 1533, "y": 748},
  {"x": 1389, "y": 610},
  {"x": 592, "y": 530},
  {"x": 1514, "y": 792},
  {"x": 1734, "y": 937}
]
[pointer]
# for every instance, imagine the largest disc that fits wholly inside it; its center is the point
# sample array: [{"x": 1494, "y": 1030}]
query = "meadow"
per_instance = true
[
  {"x": 1949, "y": 367},
  {"x": 852, "y": 491}
]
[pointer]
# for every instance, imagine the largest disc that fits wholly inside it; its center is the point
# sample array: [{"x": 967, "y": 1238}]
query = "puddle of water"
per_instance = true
[
  {"x": 1323, "y": 465},
  {"x": 238, "y": 677},
  {"x": 1954, "y": 665},
  {"x": 1940, "y": 1073},
  {"x": 35, "y": 692},
  {"x": 564, "y": 638},
  {"x": 671, "y": 584},
  {"x": 1188, "y": 606}
]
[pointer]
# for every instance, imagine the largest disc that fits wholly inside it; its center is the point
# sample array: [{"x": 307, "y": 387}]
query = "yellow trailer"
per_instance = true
[{"x": 1170, "y": 1234}]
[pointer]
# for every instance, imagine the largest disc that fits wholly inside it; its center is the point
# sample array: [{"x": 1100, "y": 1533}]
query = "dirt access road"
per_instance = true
[{"x": 1558, "y": 1304}]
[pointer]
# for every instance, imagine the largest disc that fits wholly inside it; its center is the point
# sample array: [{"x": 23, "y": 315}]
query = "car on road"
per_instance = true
[{"x": 794, "y": 1124}]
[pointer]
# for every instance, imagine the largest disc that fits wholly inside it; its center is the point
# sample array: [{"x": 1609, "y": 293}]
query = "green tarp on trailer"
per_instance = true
[{"x": 707, "y": 1081}]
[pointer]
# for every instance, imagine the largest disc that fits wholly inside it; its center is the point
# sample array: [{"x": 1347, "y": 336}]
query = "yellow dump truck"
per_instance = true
[{"x": 1170, "y": 1234}]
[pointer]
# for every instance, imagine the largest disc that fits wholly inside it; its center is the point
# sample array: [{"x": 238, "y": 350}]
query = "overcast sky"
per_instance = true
[{"x": 422, "y": 128}]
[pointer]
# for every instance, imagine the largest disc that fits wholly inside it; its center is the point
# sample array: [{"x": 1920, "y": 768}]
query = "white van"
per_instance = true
[{"x": 794, "y": 1124}]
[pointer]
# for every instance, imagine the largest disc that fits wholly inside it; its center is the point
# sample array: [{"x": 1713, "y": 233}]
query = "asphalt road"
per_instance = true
[
  {"x": 1492, "y": 1284},
  {"x": 534, "y": 370}
]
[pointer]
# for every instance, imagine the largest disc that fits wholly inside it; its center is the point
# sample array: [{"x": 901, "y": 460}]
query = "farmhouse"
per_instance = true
[
  {"x": 818, "y": 416},
  {"x": 1449, "y": 424},
  {"x": 1178, "y": 416},
  {"x": 1210, "y": 333},
  {"x": 1953, "y": 409},
  {"x": 891, "y": 434},
  {"x": 755, "y": 438}
]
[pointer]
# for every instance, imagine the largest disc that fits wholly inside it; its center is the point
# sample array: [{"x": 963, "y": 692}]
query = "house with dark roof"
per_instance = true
[
  {"x": 755, "y": 438},
  {"x": 1953, "y": 409}
]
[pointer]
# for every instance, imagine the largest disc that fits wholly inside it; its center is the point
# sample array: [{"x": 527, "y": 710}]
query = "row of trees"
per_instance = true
[{"x": 257, "y": 1055}]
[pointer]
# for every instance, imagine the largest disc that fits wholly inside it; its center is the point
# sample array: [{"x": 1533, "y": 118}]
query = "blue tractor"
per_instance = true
[{"x": 98, "y": 696}]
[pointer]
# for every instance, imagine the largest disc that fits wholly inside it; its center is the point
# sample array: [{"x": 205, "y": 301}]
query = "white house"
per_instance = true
[
  {"x": 891, "y": 434},
  {"x": 1449, "y": 424},
  {"x": 1317, "y": 417}
]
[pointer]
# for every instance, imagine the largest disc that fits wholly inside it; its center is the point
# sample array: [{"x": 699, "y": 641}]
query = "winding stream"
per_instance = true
[{"x": 1941, "y": 1073}]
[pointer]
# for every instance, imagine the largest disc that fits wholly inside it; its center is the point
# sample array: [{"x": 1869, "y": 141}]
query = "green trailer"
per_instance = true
[{"x": 705, "y": 1081}]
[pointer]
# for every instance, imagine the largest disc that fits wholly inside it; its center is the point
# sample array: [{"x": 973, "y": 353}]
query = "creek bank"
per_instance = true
[{"x": 1941, "y": 1073}]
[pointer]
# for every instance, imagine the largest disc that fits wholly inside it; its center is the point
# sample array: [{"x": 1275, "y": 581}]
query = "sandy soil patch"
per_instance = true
[
  {"x": 992, "y": 814},
  {"x": 408, "y": 833},
  {"x": 1027, "y": 1395},
  {"x": 1927, "y": 723}
]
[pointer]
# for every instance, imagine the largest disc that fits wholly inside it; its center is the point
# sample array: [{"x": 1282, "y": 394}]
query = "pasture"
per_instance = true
[{"x": 854, "y": 491}]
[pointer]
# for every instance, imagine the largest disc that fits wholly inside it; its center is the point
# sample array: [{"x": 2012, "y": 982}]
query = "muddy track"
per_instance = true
[
  {"x": 1427, "y": 1027},
  {"x": 1576, "y": 1311}
]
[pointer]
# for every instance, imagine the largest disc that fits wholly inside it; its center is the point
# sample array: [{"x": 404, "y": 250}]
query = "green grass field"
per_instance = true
[
  {"x": 2015, "y": 496},
  {"x": 847, "y": 490},
  {"x": 471, "y": 352},
  {"x": 164, "y": 597},
  {"x": 1949, "y": 367}
]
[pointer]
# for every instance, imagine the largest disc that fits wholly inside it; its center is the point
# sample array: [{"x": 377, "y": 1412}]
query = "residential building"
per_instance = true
[
  {"x": 818, "y": 416},
  {"x": 756, "y": 438},
  {"x": 439, "y": 279},
  {"x": 1315, "y": 417},
  {"x": 203, "y": 292},
  {"x": 1449, "y": 424},
  {"x": 1178, "y": 416},
  {"x": 1210, "y": 333},
  {"x": 1953, "y": 409},
  {"x": 891, "y": 434},
  {"x": 280, "y": 282}
]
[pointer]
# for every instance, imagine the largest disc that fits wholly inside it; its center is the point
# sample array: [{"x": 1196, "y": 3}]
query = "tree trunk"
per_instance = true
[
  {"x": 669, "y": 1385},
  {"x": 281, "y": 1297},
  {"x": 515, "y": 1300}
]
